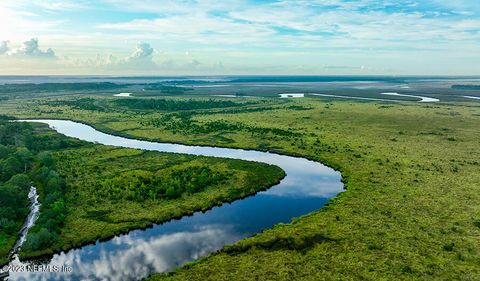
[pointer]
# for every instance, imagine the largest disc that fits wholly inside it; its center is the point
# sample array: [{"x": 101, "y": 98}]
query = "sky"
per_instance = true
[{"x": 240, "y": 37}]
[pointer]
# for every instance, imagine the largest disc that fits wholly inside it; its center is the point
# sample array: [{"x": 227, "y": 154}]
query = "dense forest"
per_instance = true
[
  {"x": 142, "y": 185},
  {"x": 172, "y": 105},
  {"x": 82, "y": 104},
  {"x": 154, "y": 89},
  {"x": 24, "y": 162},
  {"x": 182, "y": 122},
  {"x": 112, "y": 105},
  {"x": 15, "y": 162}
]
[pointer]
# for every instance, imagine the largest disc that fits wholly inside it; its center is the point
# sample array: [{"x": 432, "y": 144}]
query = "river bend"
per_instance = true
[{"x": 308, "y": 185}]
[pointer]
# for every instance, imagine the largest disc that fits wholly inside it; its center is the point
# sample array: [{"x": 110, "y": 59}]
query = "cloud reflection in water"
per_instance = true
[{"x": 137, "y": 257}]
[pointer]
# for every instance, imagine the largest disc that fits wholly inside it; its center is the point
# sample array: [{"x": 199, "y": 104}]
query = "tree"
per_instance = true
[
  {"x": 45, "y": 158},
  {"x": 10, "y": 167},
  {"x": 40, "y": 240},
  {"x": 21, "y": 181}
]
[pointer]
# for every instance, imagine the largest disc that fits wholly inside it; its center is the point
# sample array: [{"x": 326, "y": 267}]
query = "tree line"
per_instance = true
[
  {"x": 173, "y": 105},
  {"x": 26, "y": 160},
  {"x": 139, "y": 185},
  {"x": 182, "y": 122}
]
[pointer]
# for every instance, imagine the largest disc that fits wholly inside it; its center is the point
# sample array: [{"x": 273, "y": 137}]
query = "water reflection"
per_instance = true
[
  {"x": 307, "y": 187},
  {"x": 136, "y": 257}
]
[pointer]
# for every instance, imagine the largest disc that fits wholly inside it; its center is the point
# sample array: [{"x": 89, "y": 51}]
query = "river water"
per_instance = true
[
  {"x": 307, "y": 187},
  {"x": 31, "y": 219}
]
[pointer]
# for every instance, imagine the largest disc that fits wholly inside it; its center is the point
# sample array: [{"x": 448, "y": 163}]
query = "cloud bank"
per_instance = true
[
  {"x": 3, "y": 47},
  {"x": 141, "y": 58},
  {"x": 28, "y": 49}
]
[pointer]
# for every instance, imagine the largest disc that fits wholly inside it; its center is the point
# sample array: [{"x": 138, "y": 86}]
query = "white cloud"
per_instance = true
[
  {"x": 143, "y": 53},
  {"x": 31, "y": 49},
  {"x": 50, "y": 5},
  {"x": 3, "y": 47},
  {"x": 60, "y": 5},
  {"x": 353, "y": 25},
  {"x": 140, "y": 59},
  {"x": 175, "y": 6},
  {"x": 17, "y": 23}
]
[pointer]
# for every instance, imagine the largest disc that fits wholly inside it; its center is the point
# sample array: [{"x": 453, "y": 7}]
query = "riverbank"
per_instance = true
[
  {"x": 84, "y": 228},
  {"x": 96, "y": 213}
]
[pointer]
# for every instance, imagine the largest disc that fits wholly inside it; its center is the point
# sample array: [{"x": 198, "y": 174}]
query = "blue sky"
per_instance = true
[{"x": 187, "y": 37}]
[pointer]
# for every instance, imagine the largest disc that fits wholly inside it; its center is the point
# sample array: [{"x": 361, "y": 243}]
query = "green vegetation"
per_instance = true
[
  {"x": 411, "y": 210},
  {"x": 140, "y": 186},
  {"x": 92, "y": 191},
  {"x": 182, "y": 123},
  {"x": 52, "y": 187},
  {"x": 172, "y": 105},
  {"x": 112, "y": 190},
  {"x": 160, "y": 89},
  {"x": 81, "y": 104},
  {"x": 21, "y": 160},
  {"x": 108, "y": 105}
]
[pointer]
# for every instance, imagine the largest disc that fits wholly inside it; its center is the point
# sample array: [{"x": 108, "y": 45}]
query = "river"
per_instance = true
[{"x": 307, "y": 186}]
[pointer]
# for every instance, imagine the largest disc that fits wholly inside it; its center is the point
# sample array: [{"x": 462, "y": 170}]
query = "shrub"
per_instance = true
[{"x": 39, "y": 240}]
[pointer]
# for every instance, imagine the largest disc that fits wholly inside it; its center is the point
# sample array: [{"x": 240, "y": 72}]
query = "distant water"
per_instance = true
[{"x": 223, "y": 79}]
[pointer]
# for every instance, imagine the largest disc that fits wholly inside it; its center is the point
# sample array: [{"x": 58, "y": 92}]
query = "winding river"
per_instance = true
[{"x": 307, "y": 187}]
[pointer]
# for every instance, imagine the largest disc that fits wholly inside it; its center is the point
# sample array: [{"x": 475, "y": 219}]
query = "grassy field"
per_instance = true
[
  {"x": 112, "y": 190},
  {"x": 412, "y": 171}
]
